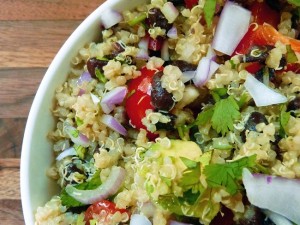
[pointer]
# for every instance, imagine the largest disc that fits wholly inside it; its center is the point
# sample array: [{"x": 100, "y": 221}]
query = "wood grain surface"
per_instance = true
[{"x": 32, "y": 31}]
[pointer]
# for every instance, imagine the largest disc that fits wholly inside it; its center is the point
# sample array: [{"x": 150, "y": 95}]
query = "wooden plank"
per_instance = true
[
  {"x": 47, "y": 10},
  {"x": 17, "y": 90},
  {"x": 11, "y": 212},
  {"x": 10, "y": 163},
  {"x": 10, "y": 184},
  {"x": 11, "y": 137},
  {"x": 32, "y": 43}
]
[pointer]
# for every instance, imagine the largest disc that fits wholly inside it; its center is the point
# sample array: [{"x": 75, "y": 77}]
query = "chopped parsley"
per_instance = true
[
  {"x": 283, "y": 120},
  {"x": 228, "y": 174},
  {"x": 294, "y": 2},
  {"x": 100, "y": 76}
]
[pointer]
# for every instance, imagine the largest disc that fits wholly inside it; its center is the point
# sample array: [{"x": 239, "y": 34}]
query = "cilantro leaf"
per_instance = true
[
  {"x": 204, "y": 117},
  {"x": 228, "y": 174},
  {"x": 290, "y": 55},
  {"x": 283, "y": 120},
  {"x": 69, "y": 201},
  {"x": 225, "y": 112},
  {"x": 209, "y": 11}
]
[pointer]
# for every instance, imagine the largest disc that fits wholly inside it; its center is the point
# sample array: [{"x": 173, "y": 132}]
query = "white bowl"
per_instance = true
[{"x": 36, "y": 158}]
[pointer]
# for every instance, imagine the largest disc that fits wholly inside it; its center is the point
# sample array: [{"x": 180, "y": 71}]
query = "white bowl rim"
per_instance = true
[{"x": 41, "y": 92}]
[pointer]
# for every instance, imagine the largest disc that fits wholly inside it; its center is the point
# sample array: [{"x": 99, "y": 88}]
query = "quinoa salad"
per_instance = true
[{"x": 185, "y": 112}]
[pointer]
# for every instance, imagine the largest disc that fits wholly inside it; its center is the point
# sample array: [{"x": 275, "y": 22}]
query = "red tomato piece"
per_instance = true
[
  {"x": 190, "y": 3},
  {"x": 103, "y": 207},
  {"x": 253, "y": 67},
  {"x": 139, "y": 99},
  {"x": 263, "y": 13}
]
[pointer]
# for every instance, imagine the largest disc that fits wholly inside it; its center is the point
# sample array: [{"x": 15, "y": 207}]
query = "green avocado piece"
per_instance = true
[{"x": 178, "y": 149}]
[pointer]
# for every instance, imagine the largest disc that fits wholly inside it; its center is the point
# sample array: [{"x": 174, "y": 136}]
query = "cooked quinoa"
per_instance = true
[{"x": 172, "y": 129}]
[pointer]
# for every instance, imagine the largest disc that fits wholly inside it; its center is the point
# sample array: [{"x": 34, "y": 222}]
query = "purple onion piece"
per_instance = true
[
  {"x": 112, "y": 98},
  {"x": 277, "y": 194},
  {"x": 105, "y": 190},
  {"x": 143, "y": 44},
  {"x": 139, "y": 219},
  {"x": 76, "y": 137},
  {"x": 85, "y": 77},
  {"x": 187, "y": 75},
  {"x": 172, "y": 33},
  {"x": 65, "y": 153},
  {"x": 262, "y": 94},
  {"x": 173, "y": 222},
  {"x": 142, "y": 54},
  {"x": 112, "y": 123},
  {"x": 232, "y": 26},
  {"x": 110, "y": 18},
  {"x": 202, "y": 71}
]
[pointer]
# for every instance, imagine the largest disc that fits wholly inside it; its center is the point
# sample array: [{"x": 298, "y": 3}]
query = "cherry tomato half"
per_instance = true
[
  {"x": 263, "y": 13},
  {"x": 139, "y": 98},
  {"x": 104, "y": 207},
  {"x": 190, "y": 3}
]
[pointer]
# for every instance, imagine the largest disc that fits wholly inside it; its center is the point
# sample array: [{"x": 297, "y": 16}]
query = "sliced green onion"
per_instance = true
[{"x": 138, "y": 19}]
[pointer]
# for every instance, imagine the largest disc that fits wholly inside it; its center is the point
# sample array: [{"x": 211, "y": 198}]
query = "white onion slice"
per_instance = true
[
  {"x": 112, "y": 98},
  {"x": 95, "y": 98},
  {"x": 188, "y": 75},
  {"x": 173, "y": 222},
  {"x": 105, "y": 190},
  {"x": 170, "y": 11},
  {"x": 172, "y": 33},
  {"x": 233, "y": 25},
  {"x": 112, "y": 123},
  {"x": 262, "y": 94},
  {"x": 77, "y": 137},
  {"x": 138, "y": 219},
  {"x": 110, "y": 18},
  {"x": 65, "y": 153},
  {"x": 277, "y": 194},
  {"x": 165, "y": 51},
  {"x": 276, "y": 218}
]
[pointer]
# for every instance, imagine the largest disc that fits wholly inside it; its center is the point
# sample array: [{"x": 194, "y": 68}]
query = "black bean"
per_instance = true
[
  {"x": 93, "y": 64},
  {"x": 254, "y": 119},
  {"x": 294, "y": 104},
  {"x": 177, "y": 2},
  {"x": 184, "y": 65},
  {"x": 256, "y": 218},
  {"x": 257, "y": 54},
  {"x": 167, "y": 126},
  {"x": 160, "y": 98},
  {"x": 157, "y": 19}
]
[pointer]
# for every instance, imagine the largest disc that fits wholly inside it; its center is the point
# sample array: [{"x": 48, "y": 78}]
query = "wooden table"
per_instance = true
[{"x": 31, "y": 33}]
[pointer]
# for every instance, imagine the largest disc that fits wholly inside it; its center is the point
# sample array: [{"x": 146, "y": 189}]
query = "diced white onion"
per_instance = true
[
  {"x": 170, "y": 11},
  {"x": 112, "y": 123},
  {"x": 110, "y": 18},
  {"x": 233, "y": 25},
  {"x": 138, "y": 219},
  {"x": 262, "y": 94},
  {"x": 277, "y": 194}
]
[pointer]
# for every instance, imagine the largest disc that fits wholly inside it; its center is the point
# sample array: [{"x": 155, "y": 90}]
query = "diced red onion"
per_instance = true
[
  {"x": 206, "y": 68},
  {"x": 276, "y": 218},
  {"x": 110, "y": 18},
  {"x": 188, "y": 75},
  {"x": 77, "y": 137},
  {"x": 142, "y": 54},
  {"x": 173, "y": 222},
  {"x": 85, "y": 77},
  {"x": 211, "y": 53},
  {"x": 277, "y": 194},
  {"x": 262, "y": 94},
  {"x": 95, "y": 98},
  {"x": 165, "y": 51},
  {"x": 65, "y": 153},
  {"x": 144, "y": 42},
  {"x": 139, "y": 219},
  {"x": 172, "y": 33},
  {"x": 112, "y": 98},
  {"x": 233, "y": 25},
  {"x": 170, "y": 11},
  {"x": 112, "y": 123},
  {"x": 105, "y": 190},
  {"x": 81, "y": 92}
]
